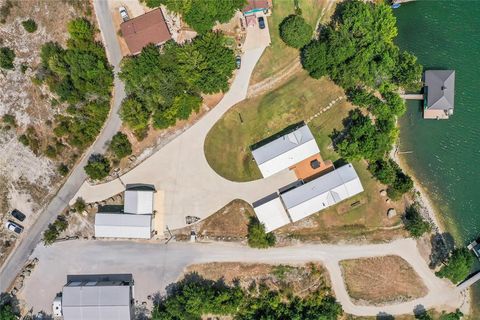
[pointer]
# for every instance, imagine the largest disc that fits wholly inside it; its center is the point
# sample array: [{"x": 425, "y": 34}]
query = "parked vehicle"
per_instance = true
[
  {"x": 261, "y": 22},
  {"x": 18, "y": 215},
  {"x": 14, "y": 227},
  {"x": 123, "y": 13},
  {"x": 238, "y": 61}
]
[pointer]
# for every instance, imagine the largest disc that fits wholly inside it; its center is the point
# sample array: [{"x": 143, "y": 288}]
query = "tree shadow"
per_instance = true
[
  {"x": 384, "y": 316},
  {"x": 10, "y": 300},
  {"x": 442, "y": 244},
  {"x": 419, "y": 310}
]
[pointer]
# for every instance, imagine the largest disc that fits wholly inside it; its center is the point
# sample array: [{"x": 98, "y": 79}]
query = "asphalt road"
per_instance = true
[
  {"x": 154, "y": 266},
  {"x": 34, "y": 234}
]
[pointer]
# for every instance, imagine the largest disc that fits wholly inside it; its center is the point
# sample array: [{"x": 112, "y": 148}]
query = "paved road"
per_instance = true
[
  {"x": 154, "y": 266},
  {"x": 180, "y": 170},
  {"x": 34, "y": 234}
]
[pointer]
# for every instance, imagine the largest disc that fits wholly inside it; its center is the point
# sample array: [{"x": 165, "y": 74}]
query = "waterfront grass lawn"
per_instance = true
[
  {"x": 227, "y": 146},
  {"x": 382, "y": 280},
  {"x": 278, "y": 55}
]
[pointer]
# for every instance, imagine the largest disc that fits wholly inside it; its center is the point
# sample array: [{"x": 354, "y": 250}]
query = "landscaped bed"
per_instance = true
[{"x": 381, "y": 280}]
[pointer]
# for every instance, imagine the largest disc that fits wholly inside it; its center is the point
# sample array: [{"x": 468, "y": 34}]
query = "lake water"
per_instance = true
[{"x": 446, "y": 154}]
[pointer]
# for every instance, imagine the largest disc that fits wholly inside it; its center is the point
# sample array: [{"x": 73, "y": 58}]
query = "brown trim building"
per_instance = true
[{"x": 145, "y": 29}]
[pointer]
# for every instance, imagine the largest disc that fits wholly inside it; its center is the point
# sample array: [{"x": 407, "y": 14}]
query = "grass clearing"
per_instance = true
[
  {"x": 381, "y": 280},
  {"x": 278, "y": 55}
]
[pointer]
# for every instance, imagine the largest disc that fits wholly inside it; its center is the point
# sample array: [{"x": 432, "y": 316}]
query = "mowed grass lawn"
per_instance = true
[
  {"x": 278, "y": 55},
  {"x": 227, "y": 147}
]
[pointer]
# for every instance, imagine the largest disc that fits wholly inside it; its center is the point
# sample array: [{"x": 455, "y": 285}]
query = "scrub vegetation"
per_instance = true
[
  {"x": 458, "y": 265},
  {"x": 165, "y": 86},
  {"x": 7, "y": 56},
  {"x": 98, "y": 167},
  {"x": 257, "y": 237}
]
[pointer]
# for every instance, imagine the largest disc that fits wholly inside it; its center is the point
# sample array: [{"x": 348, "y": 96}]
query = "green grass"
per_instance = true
[
  {"x": 227, "y": 147},
  {"x": 278, "y": 55}
]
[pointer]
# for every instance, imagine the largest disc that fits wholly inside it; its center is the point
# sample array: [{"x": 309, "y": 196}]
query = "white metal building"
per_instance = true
[
  {"x": 123, "y": 225},
  {"x": 285, "y": 151},
  {"x": 322, "y": 192},
  {"x": 98, "y": 297},
  {"x": 139, "y": 199},
  {"x": 271, "y": 212}
]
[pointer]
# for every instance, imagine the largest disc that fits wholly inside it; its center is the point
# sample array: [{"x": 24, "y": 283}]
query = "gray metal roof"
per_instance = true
[
  {"x": 123, "y": 219},
  {"x": 96, "y": 301},
  {"x": 283, "y": 144},
  {"x": 138, "y": 201},
  {"x": 440, "y": 89}
]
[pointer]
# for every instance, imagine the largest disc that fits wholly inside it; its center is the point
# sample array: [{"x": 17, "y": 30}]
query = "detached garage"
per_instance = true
[
  {"x": 271, "y": 212},
  {"x": 123, "y": 225}
]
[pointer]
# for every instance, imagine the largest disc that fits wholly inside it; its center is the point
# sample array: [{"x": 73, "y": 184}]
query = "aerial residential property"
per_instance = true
[
  {"x": 136, "y": 219},
  {"x": 96, "y": 297},
  {"x": 145, "y": 29},
  {"x": 439, "y": 94}
]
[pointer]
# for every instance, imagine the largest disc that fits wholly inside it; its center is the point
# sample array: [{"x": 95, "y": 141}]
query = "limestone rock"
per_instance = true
[
  {"x": 383, "y": 193},
  {"x": 391, "y": 213}
]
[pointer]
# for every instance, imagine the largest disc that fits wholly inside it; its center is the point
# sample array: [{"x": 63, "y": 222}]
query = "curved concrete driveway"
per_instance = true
[
  {"x": 181, "y": 171},
  {"x": 154, "y": 266}
]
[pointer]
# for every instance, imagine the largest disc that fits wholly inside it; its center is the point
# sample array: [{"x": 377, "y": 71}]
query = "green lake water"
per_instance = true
[{"x": 446, "y": 154}]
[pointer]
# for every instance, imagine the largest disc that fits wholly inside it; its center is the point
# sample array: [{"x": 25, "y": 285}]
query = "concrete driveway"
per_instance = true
[
  {"x": 154, "y": 266},
  {"x": 180, "y": 170}
]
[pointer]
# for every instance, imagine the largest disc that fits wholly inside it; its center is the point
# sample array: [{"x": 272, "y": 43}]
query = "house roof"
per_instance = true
[
  {"x": 285, "y": 151},
  {"x": 440, "y": 89},
  {"x": 145, "y": 29},
  {"x": 123, "y": 225},
  {"x": 138, "y": 201},
  {"x": 322, "y": 192},
  {"x": 96, "y": 301},
  {"x": 271, "y": 212},
  {"x": 254, "y": 5}
]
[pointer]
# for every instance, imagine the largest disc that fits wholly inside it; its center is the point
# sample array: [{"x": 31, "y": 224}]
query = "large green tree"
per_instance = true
[
  {"x": 458, "y": 265},
  {"x": 414, "y": 222},
  {"x": 98, "y": 167},
  {"x": 295, "y": 31},
  {"x": 120, "y": 145}
]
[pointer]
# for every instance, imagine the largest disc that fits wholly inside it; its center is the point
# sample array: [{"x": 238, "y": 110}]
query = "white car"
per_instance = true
[
  {"x": 12, "y": 226},
  {"x": 123, "y": 13}
]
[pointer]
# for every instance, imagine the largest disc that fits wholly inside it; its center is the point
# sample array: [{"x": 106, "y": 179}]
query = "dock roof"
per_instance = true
[{"x": 440, "y": 89}]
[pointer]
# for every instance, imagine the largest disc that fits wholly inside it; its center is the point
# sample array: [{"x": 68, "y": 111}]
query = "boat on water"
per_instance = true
[
  {"x": 396, "y": 5},
  {"x": 475, "y": 247}
]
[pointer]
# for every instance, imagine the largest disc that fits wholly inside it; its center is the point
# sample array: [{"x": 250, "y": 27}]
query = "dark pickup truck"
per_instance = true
[{"x": 18, "y": 215}]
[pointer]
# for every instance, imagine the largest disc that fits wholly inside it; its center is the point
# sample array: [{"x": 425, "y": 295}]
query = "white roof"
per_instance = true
[
  {"x": 93, "y": 302},
  {"x": 123, "y": 225},
  {"x": 322, "y": 192},
  {"x": 271, "y": 212},
  {"x": 138, "y": 201},
  {"x": 285, "y": 151}
]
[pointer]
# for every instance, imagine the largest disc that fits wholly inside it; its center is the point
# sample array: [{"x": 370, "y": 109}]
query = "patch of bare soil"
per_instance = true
[
  {"x": 228, "y": 224},
  {"x": 381, "y": 280},
  {"x": 299, "y": 280}
]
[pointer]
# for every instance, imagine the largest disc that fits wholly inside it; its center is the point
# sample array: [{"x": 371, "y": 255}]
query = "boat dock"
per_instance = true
[
  {"x": 412, "y": 96},
  {"x": 470, "y": 281}
]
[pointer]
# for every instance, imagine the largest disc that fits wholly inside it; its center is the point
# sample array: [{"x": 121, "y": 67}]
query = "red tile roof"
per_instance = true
[
  {"x": 145, "y": 29},
  {"x": 257, "y": 4}
]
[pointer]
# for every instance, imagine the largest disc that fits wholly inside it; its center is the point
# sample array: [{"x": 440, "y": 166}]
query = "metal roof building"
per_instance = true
[
  {"x": 139, "y": 199},
  {"x": 439, "y": 94},
  {"x": 322, "y": 192},
  {"x": 123, "y": 225},
  {"x": 271, "y": 212},
  {"x": 285, "y": 151},
  {"x": 98, "y": 297}
]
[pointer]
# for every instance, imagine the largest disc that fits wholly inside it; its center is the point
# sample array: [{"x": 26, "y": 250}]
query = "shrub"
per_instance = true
[
  {"x": 257, "y": 237},
  {"x": 402, "y": 184},
  {"x": 295, "y": 31},
  {"x": 457, "y": 266},
  {"x": 51, "y": 152},
  {"x": 6, "y": 58},
  {"x": 120, "y": 145},
  {"x": 30, "y": 25},
  {"x": 79, "y": 205},
  {"x": 414, "y": 222},
  {"x": 10, "y": 120},
  {"x": 63, "y": 169},
  {"x": 7, "y": 312},
  {"x": 54, "y": 229},
  {"x": 384, "y": 171},
  {"x": 24, "y": 140},
  {"x": 98, "y": 167},
  {"x": 457, "y": 315}
]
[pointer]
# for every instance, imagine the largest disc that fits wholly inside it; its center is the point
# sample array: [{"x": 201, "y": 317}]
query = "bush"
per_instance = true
[
  {"x": 457, "y": 266},
  {"x": 51, "y": 152},
  {"x": 402, "y": 184},
  {"x": 30, "y": 25},
  {"x": 6, "y": 58},
  {"x": 457, "y": 315},
  {"x": 120, "y": 145},
  {"x": 79, "y": 205},
  {"x": 257, "y": 237},
  {"x": 414, "y": 222},
  {"x": 7, "y": 313},
  {"x": 98, "y": 167},
  {"x": 295, "y": 31},
  {"x": 9, "y": 120},
  {"x": 54, "y": 229},
  {"x": 63, "y": 169}
]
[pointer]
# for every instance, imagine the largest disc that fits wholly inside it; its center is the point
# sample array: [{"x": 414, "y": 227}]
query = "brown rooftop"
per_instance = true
[
  {"x": 257, "y": 4},
  {"x": 145, "y": 29}
]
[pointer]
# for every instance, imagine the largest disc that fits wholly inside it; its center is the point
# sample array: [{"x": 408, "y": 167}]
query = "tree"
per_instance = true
[
  {"x": 6, "y": 58},
  {"x": 315, "y": 59},
  {"x": 402, "y": 184},
  {"x": 257, "y": 237},
  {"x": 458, "y": 265},
  {"x": 423, "y": 315},
  {"x": 457, "y": 315},
  {"x": 135, "y": 115},
  {"x": 120, "y": 145},
  {"x": 79, "y": 205},
  {"x": 295, "y": 31},
  {"x": 414, "y": 222},
  {"x": 383, "y": 171},
  {"x": 7, "y": 313},
  {"x": 29, "y": 25},
  {"x": 98, "y": 167},
  {"x": 408, "y": 72}
]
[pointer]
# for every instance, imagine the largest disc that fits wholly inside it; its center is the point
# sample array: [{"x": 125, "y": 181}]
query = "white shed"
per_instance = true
[
  {"x": 123, "y": 225},
  {"x": 271, "y": 212},
  {"x": 138, "y": 199}
]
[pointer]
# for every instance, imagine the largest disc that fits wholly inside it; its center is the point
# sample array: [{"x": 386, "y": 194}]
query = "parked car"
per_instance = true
[
  {"x": 261, "y": 22},
  {"x": 238, "y": 61},
  {"x": 18, "y": 215},
  {"x": 12, "y": 226},
  {"x": 123, "y": 13}
]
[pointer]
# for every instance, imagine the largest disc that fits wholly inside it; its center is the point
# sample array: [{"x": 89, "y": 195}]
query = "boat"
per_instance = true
[
  {"x": 475, "y": 247},
  {"x": 396, "y": 5}
]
